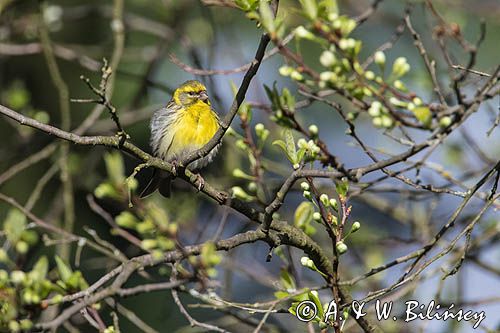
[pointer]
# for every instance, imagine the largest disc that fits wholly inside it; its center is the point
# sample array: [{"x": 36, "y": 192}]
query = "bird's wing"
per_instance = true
[{"x": 162, "y": 134}]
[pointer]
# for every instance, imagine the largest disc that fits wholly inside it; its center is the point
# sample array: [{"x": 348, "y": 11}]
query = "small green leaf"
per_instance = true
[
  {"x": 290, "y": 146},
  {"x": 266, "y": 16},
  {"x": 39, "y": 271},
  {"x": 65, "y": 272},
  {"x": 14, "y": 225},
  {"x": 329, "y": 6},
  {"x": 313, "y": 296},
  {"x": 303, "y": 214},
  {"x": 281, "y": 294},
  {"x": 282, "y": 145},
  {"x": 115, "y": 168},
  {"x": 310, "y": 8},
  {"x": 300, "y": 154},
  {"x": 126, "y": 220},
  {"x": 342, "y": 187},
  {"x": 243, "y": 4},
  {"x": 287, "y": 281}
]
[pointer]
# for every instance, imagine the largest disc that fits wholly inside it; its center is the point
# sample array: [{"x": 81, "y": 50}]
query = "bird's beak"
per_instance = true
[{"x": 204, "y": 96}]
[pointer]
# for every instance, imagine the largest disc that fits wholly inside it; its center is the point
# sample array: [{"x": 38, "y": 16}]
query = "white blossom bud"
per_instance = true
[
  {"x": 313, "y": 129},
  {"x": 327, "y": 59},
  {"x": 379, "y": 58}
]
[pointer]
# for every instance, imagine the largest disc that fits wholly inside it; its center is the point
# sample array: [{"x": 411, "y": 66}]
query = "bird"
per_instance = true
[{"x": 183, "y": 126}]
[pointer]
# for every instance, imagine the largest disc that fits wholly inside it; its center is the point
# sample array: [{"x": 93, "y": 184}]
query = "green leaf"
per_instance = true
[
  {"x": 342, "y": 187},
  {"x": 126, "y": 220},
  {"x": 14, "y": 225},
  {"x": 282, "y": 145},
  {"x": 243, "y": 4},
  {"x": 266, "y": 16},
  {"x": 287, "y": 281},
  {"x": 65, "y": 272},
  {"x": 115, "y": 168},
  {"x": 281, "y": 294},
  {"x": 329, "y": 6},
  {"x": 313, "y": 297},
  {"x": 310, "y": 8},
  {"x": 303, "y": 214},
  {"x": 39, "y": 271},
  {"x": 300, "y": 154},
  {"x": 288, "y": 99},
  {"x": 290, "y": 146},
  {"x": 423, "y": 114}
]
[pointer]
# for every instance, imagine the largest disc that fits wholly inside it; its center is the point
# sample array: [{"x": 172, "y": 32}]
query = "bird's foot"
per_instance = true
[
  {"x": 175, "y": 167},
  {"x": 201, "y": 182}
]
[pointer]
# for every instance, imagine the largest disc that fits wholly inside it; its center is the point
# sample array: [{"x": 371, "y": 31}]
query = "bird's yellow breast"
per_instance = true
[{"x": 195, "y": 126}]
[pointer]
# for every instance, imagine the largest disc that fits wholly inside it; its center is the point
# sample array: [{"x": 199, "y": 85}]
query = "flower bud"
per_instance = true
[
  {"x": 313, "y": 129},
  {"x": 377, "y": 122},
  {"x": 259, "y": 128},
  {"x": 341, "y": 247},
  {"x": 17, "y": 276},
  {"x": 399, "y": 85},
  {"x": 296, "y": 76},
  {"x": 307, "y": 195},
  {"x": 304, "y": 261},
  {"x": 149, "y": 244},
  {"x": 334, "y": 204},
  {"x": 302, "y": 32},
  {"x": 238, "y": 173},
  {"x": 316, "y": 216},
  {"x": 333, "y": 16},
  {"x": 355, "y": 226},
  {"x": 397, "y": 102},
  {"x": 387, "y": 122},
  {"x": 285, "y": 70},
  {"x": 369, "y": 75},
  {"x": 239, "y": 193},
  {"x": 302, "y": 143},
  {"x": 22, "y": 247},
  {"x": 26, "y": 324},
  {"x": 14, "y": 326},
  {"x": 241, "y": 144},
  {"x": 252, "y": 187},
  {"x": 304, "y": 186},
  {"x": 3, "y": 256},
  {"x": 327, "y": 59},
  {"x": 327, "y": 76},
  {"x": 374, "y": 109},
  {"x": 400, "y": 67},
  {"x": 379, "y": 58},
  {"x": 445, "y": 121},
  {"x": 324, "y": 199},
  {"x": 347, "y": 43},
  {"x": 417, "y": 101}
]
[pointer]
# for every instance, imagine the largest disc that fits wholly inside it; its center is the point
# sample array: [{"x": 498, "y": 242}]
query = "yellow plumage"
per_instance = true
[
  {"x": 185, "y": 125},
  {"x": 193, "y": 128}
]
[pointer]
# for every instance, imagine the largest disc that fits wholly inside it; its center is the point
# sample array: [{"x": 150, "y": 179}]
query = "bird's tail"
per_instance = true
[{"x": 158, "y": 181}]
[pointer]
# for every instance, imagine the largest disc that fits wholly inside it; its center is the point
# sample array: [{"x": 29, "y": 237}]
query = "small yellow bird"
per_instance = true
[{"x": 185, "y": 125}]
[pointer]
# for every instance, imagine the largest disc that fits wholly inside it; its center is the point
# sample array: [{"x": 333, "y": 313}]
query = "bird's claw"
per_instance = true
[
  {"x": 175, "y": 166},
  {"x": 201, "y": 182}
]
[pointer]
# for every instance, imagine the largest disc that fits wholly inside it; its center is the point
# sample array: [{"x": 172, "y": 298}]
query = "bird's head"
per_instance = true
[{"x": 191, "y": 92}]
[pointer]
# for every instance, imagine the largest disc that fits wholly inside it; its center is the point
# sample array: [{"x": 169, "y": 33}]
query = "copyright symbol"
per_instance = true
[{"x": 306, "y": 311}]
